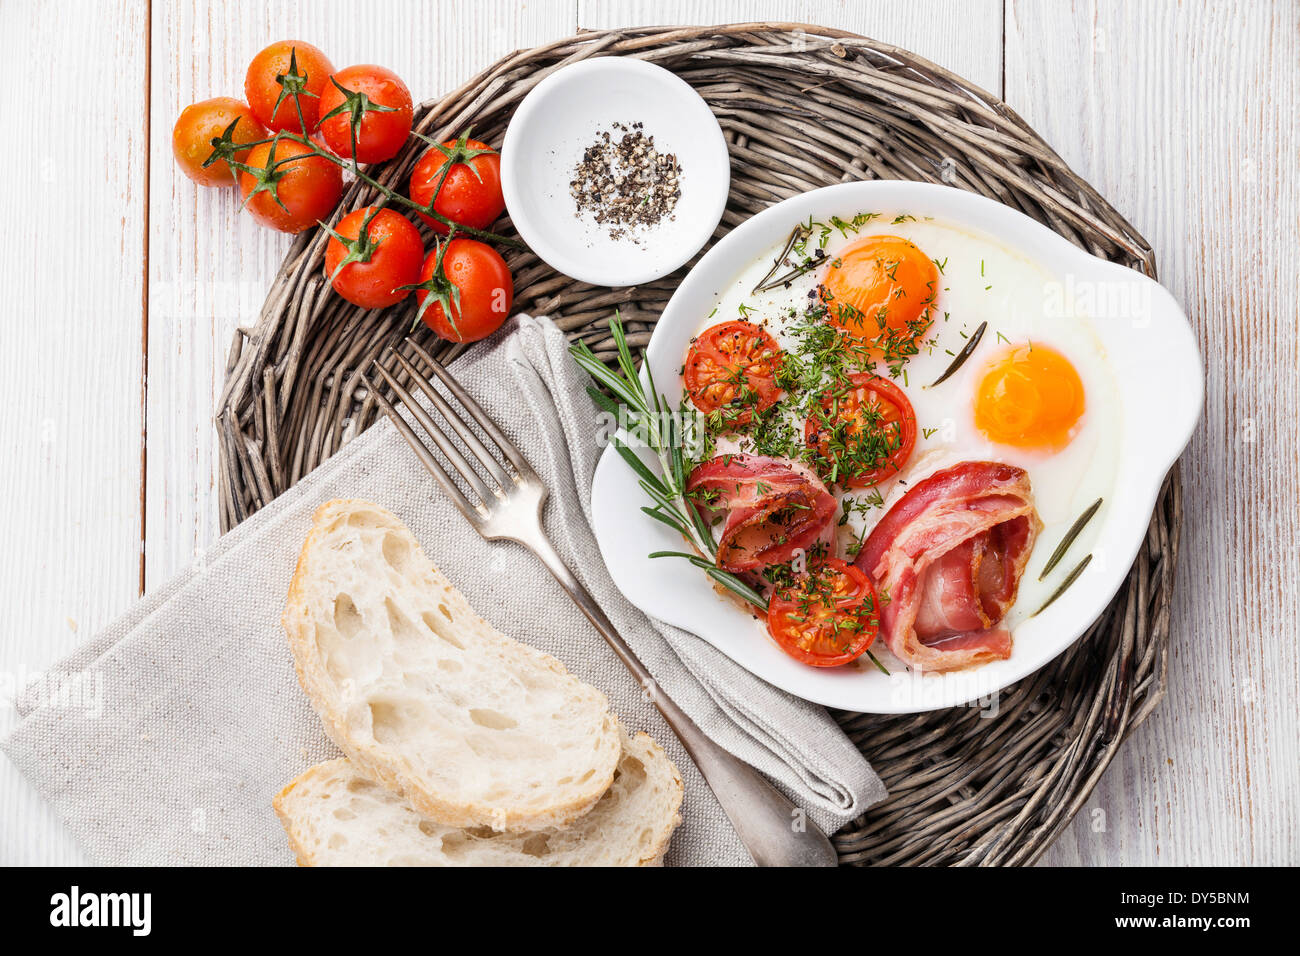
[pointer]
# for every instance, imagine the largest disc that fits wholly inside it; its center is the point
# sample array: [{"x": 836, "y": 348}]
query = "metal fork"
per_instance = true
[{"x": 510, "y": 507}]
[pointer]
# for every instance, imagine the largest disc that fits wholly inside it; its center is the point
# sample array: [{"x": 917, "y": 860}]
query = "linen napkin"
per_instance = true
[{"x": 163, "y": 740}]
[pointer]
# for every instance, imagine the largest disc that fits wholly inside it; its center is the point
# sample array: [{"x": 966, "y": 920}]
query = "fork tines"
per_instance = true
[{"x": 505, "y": 468}]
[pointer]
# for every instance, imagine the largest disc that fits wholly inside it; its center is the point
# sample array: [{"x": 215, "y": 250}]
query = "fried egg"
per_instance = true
[
  {"x": 1030, "y": 398},
  {"x": 879, "y": 281}
]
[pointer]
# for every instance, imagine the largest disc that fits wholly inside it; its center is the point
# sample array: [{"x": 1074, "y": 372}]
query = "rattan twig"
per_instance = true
[{"x": 801, "y": 107}]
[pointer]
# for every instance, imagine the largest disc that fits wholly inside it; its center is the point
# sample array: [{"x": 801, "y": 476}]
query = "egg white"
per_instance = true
[{"x": 980, "y": 281}]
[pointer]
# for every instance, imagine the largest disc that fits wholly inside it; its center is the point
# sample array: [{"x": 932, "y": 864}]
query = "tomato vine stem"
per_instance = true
[
  {"x": 224, "y": 149},
  {"x": 438, "y": 288}
]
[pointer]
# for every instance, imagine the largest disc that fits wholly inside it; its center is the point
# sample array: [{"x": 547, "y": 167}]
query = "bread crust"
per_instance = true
[
  {"x": 653, "y": 754},
  {"x": 299, "y": 628},
  {"x": 302, "y": 856},
  {"x": 679, "y": 790}
]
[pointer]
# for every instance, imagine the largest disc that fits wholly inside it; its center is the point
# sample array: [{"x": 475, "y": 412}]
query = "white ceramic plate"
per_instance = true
[
  {"x": 1152, "y": 351},
  {"x": 561, "y": 117}
]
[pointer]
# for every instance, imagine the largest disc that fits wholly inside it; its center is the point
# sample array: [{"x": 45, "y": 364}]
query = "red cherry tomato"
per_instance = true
[
  {"x": 308, "y": 187},
  {"x": 267, "y": 74},
  {"x": 201, "y": 123},
  {"x": 471, "y": 194},
  {"x": 395, "y": 257},
  {"x": 732, "y": 367},
  {"x": 381, "y": 134},
  {"x": 862, "y": 433},
  {"x": 486, "y": 291},
  {"x": 828, "y": 616}
]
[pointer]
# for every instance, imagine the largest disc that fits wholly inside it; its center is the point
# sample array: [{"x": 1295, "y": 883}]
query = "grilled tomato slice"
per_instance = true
[
  {"x": 825, "y": 617},
  {"x": 731, "y": 369},
  {"x": 862, "y": 433}
]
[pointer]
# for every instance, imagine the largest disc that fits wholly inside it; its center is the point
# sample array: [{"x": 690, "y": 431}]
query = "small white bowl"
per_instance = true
[{"x": 561, "y": 117}]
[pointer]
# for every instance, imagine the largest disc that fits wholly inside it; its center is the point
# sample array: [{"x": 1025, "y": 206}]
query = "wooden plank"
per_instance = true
[
  {"x": 70, "y": 413},
  {"x": 1183, "y": 116},
  {"x": 211, "y": 266},
  {"x": 965, "y": 37}
]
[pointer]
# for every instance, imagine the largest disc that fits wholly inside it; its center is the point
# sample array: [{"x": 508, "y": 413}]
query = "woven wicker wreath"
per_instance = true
[{"x": 801, "y": 106}]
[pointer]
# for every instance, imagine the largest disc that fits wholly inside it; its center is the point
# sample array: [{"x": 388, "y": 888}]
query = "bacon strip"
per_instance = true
[
  {"x": 773, "y": 506},
  {"x": 950, "y": 554}
]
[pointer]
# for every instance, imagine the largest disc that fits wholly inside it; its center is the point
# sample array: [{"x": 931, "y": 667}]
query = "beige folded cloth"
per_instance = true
[{"x": 189, "y": 717}]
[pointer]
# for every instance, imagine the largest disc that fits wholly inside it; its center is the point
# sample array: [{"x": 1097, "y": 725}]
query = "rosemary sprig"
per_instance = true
[
  {"x": 962, "y": 356},
  {"x": 640, "y": 408},
  {"x": 788, "y": 277},
  {"x": 1079, "y": 524},
  {"x": 800, "y": 232},
  {"x": 1069, "y": 579},
  {"x": 728, "y": 581}
]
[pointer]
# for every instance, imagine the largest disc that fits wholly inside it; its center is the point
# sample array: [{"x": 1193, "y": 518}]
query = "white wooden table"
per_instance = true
[{"x": 124, "y": 285}]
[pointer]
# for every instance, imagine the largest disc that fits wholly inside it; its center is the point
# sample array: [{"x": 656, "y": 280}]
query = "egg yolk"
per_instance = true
[
  {"x": 881, "y": 284},
  {"x": 1029, "y": 397}
]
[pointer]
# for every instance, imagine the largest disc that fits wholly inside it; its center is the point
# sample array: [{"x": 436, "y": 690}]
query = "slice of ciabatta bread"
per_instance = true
[
  {"x": 336, "y": 816},
  {"x": 425, "y": 696}
]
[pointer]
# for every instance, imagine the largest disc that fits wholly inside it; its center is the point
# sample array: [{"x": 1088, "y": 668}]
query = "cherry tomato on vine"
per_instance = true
[
  {"x": 199, "y": 124},
  {"x": 471, "y": 194},
  {"x": 308, "y": 186},
  {"x": 381, "y": 133},
  {"x": 732, "y": 367},
  {"x": 276, "y": 73},
  {"x": 374, "y": 268},
  {"x": 862, "y": 433},
  {"x": 828, "y": 616},
  {"x": 486, "y": 291}
]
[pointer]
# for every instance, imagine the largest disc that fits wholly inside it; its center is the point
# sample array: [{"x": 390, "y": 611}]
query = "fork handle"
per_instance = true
[{"x": 774, "y": 831}]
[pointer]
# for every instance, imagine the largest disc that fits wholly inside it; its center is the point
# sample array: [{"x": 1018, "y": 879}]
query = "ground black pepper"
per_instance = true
[{"x": 625, "y": 182}]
